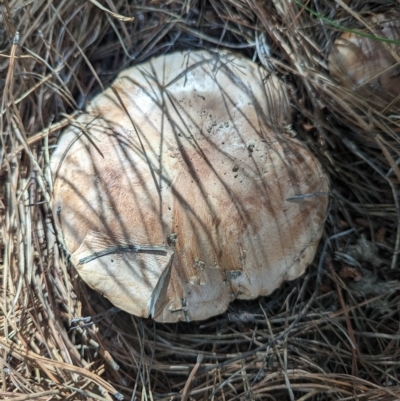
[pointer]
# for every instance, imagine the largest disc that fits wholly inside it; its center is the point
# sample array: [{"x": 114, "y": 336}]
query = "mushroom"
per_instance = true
[
  {"x": 177, "y": 191},
  {"x": 359, "y": 61}
]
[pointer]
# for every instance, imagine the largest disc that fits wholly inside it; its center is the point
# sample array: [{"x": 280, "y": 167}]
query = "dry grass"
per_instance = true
[{"x": 333, "y": 334}]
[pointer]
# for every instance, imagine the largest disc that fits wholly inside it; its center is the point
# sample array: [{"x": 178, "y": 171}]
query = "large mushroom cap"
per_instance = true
[{"x": 176, "y": 191}]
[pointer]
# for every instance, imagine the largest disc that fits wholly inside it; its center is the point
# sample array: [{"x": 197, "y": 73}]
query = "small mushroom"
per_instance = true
[
  {"x": 371, "y": 64},
  {"x": 148, "y": 205}
]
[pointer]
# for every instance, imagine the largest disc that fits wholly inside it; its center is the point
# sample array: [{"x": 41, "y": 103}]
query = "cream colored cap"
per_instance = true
[{"x": 192, "y": 196}]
